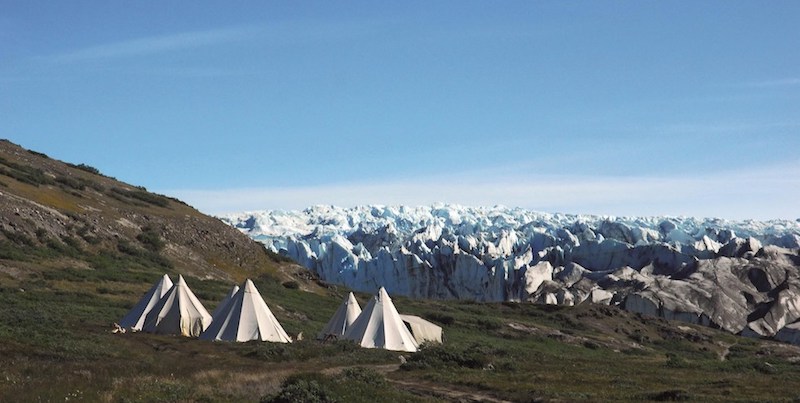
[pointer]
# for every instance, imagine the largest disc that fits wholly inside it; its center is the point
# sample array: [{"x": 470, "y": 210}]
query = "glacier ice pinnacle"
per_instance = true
[{"x": 741, "y": 276}]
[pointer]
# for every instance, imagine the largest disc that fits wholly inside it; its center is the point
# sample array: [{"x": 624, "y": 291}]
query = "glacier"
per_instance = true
[{"x": 741, "y": 276}]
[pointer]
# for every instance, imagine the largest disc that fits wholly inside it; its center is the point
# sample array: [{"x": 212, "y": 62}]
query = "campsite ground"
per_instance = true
[{"x": 56, "y": 344}]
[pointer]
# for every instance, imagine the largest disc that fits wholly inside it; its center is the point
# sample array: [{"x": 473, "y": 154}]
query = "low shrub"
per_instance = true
[
  {"x": 272, "y": 352},
  {"x": 355, "y": 384},
  {"x": 672, "y": 395},
  {"x": 439, "y": 317},
  {"x": 10, "y": 251},
  {"x": 277, "y": 257},
  {"x": 363, "y": 375},
  {"x": 23, "y": 173},
  {"x": 145, "y": 257},
  {"x": 489, "y": 323},
  {"x": 136, "y": 196},
  {"x": 38, "y": 154},
  {"x": 151, "y": 239},
  {"x": 86, "y": 168},
  {"x": 72, "y": 242},
  {"x": 17, "y": 237},
  {"x": 309, "y": 388},
  {"x": 676, "y": 361},
  {"x": 439, "y": 356},
  {"x": 72, "y": 183}
]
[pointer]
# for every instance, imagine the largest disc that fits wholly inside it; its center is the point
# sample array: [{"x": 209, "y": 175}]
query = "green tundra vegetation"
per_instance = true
[{"x": 56, "y": 343}]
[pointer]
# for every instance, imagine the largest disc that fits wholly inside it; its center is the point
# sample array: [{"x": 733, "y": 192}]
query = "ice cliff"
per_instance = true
[{"x": 741, "y": 276}]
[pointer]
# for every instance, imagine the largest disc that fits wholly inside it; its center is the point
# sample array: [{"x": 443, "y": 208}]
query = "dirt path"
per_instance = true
[
  {"x": 446, "y": 392},
  {"x": 382, "y": 369},
  {"x": 423, "y": 388}
]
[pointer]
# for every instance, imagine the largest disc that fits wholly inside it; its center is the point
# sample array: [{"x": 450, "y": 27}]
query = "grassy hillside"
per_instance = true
[
  {"x": 78, "y": 249},
  {"x": 58, "y": 214}
]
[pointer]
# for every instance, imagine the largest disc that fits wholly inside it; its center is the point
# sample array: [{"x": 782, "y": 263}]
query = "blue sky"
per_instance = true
[{"x": 603, "y": 107}]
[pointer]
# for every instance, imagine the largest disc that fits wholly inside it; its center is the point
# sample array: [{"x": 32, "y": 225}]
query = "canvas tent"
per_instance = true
[
  {"x": 344, "y": 317},
  {"x": 134, "y": 320},
  {"x": 224, "y": 301},
  {"x": 422, "y": 330},
  {"x": 178, "y": 312},
  {"x": 246, "y": 317},
  {"x": 380, "y": 326}
]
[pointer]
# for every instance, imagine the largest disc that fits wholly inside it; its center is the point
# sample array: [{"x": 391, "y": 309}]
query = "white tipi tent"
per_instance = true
[
  {"x": 178, "y": 312},
  {"x": 380, "y": 326},
  {"x": 224, "y": 301},
  {"x": 344, "y": 317},
  {"x": 246, "y": 317},
  {"x": 423, "y": 330},
  {"x": 134, "y": 320}
]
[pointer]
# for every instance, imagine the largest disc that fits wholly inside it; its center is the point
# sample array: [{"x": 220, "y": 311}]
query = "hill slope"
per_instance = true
[{"x": 54, "y": 213}]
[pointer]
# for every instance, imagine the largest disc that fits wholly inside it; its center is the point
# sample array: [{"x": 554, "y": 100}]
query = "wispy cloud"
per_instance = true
[
  {"x": 193, "y": 72},
  {"x": 286, "y": 33},
  {"x": 786, "y": 82},
  {"x": 157, "y": 44},
  {"x": 722, "y": 127},
  {"x": 760, "y": 194}
]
